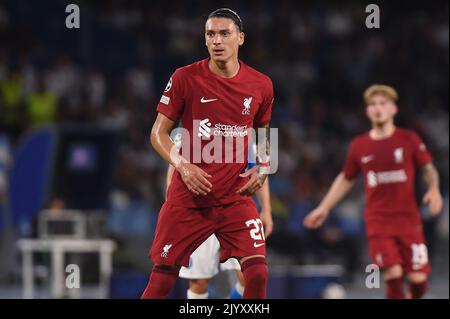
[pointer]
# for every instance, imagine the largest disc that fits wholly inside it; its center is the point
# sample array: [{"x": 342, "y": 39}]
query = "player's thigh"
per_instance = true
[
  {"x": 240, "y": 277},
  {"x": 178, "y": 233},
  {"x": 240, "y": 231},
  {"x": 385, "y": 252},
  {"x": 199, "y": 286},
  {"x": 393, "y": 272},
  {"x": 230, "y": 264},
  {"x": 204, "y": 261}
]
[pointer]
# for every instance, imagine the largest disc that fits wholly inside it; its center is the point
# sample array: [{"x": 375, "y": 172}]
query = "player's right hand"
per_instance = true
[
  {"x": 316, "y": 218},
  {"x": 194, "y": 178},
  {"x": 253, "y": 184}
]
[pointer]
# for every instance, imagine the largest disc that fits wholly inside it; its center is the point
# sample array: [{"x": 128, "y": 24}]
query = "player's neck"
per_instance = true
[
  {"x": 227, "y": 69},
  {"x": 380, "y": 132}
]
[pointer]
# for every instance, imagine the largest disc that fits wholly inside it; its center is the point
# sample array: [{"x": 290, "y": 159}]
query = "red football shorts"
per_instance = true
[
  {"x": 408, "y": 250},
  {"x": 181, "y": 230}
]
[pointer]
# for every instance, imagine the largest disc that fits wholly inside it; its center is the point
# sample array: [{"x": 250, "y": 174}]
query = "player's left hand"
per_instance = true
[
  {"x": 433, "y": 199},
  {"x": 266, "y": 219},
  {"x": 255, "y": 182}
]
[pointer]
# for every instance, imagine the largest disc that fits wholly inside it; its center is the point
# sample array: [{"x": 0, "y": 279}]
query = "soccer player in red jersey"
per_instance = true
[
  {"x": 218, "y": 98},
  {"x": 388, "y": 157}
]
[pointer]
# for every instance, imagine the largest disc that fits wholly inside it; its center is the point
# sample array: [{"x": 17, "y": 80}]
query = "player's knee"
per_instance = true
[
  {"x": 167, "y": 268},
  {"x": 199, "y": 286},
  {"x": 240, "y": 277},
  {"x": 161, "y": 281},
  {"x": 417, "y": 277},
  {"x": 393, "y": 272}
]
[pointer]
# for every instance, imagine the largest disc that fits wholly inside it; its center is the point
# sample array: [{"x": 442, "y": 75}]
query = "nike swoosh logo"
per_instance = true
[
  {"x": 203, "y": 100},
  {"x": 367, "y": 159},
  {"x": 257, "y": 245}
]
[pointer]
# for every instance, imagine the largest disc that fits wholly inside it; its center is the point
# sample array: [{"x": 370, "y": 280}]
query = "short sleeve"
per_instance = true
[
  {"x": 421, "y": 155},
  {"x": 172, "y": 100},
  {"x": 265, "y": 111},
  {"x": 351, "y": 166}
]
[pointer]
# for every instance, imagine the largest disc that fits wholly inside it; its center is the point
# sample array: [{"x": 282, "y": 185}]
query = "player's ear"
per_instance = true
[
  {"x": 241, "y": 38},
  {"x": 367, "y": 110},
  {"x": 395, "y": 108}
]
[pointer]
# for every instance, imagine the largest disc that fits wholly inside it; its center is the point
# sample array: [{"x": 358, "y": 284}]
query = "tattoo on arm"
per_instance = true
[
  {"x": 430, "y": 175},
  {"x": 264, "y": 146}
]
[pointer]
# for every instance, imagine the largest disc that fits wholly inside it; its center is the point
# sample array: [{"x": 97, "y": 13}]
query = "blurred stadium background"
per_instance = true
[{"x": 76, "y": 108}]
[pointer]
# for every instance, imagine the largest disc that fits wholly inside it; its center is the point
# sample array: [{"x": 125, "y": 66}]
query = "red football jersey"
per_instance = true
[
  {"x": 211, "y": 107},
  {"x": 389, "y": 166}
]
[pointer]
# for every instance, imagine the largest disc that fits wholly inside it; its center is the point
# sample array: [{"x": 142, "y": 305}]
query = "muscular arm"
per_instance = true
[
  {"x": 431, "y": 176},
  {"x": 162, "y": 143},
  {"x": 433, "y": 197},
  {"x": 170, "y": 171},
  {"x": 340, "y": 187},
  {"x": 263, "y": 195}
]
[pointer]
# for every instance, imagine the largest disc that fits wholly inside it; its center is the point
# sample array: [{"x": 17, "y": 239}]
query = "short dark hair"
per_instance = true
[{"x": 230, "y": 14}]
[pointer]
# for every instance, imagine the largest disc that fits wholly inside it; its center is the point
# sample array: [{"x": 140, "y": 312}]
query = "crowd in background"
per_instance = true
[{"x": 320, "y": 55}]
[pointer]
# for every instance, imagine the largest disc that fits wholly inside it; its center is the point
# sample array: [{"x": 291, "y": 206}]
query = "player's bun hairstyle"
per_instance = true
[
  {"x": 386, "y": 90},
  {"x": 230, "y": 14}
]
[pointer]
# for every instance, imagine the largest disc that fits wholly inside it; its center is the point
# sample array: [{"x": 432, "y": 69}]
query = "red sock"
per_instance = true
[
  {"x": 394, "y": 289},
  {"x": 255, "y": 277},
  {"x": 417, "y": 290},
  {"x": 160, "y": 283}
]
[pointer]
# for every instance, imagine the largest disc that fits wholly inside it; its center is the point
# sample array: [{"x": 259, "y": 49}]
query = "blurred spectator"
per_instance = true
[
  {"x": 95, "y": 87},
  {"x": 11, "y": 104},
  {"x": 63, "y": 78},
  {"x": 140, "y": 83},
  {"x": 42, "y": 106}
]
